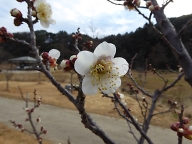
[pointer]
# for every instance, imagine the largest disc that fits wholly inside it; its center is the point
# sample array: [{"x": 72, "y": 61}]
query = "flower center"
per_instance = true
[
  {"x": 102, "y": 67},
  {"x": 102, "y": 72},
  {"x": 44, "y": 12}
]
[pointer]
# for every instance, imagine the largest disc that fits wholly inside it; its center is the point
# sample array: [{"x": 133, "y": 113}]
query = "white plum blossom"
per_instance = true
[
  {"x": 100, "y": 69},
  {"x": 44, "y": 13},
  {"x": 54, "y": 53}
]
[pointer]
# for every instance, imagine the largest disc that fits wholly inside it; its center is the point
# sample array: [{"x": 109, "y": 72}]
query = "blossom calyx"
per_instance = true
[{"x": 16, "y": 13}]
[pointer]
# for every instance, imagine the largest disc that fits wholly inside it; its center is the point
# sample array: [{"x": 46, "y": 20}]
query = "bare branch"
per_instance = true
[
  {"x": 185, "y": 27},
  {"x": 133, "y": 120},
  {"x": 115, "y": 3}
]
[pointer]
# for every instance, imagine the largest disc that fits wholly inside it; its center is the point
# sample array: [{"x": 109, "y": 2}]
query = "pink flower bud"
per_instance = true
[
  {"x": 3, "y": 29},
  {"x": 185, "y": 120},
  {"x": 157, "y": 7},
  {"x": 45, "y": 55}
]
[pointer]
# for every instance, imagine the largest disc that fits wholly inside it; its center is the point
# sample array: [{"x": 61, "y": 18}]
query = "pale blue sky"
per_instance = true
[{"x": 107, "y": 18}]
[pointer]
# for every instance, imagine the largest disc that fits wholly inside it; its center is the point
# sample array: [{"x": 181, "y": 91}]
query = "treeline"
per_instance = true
[{"x": 144, "y": 42}]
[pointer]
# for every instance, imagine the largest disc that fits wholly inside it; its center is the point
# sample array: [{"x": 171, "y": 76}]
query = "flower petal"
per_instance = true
[
  {"x": 44, "y": 24},
  {"x": 107, "y": 49},
  {"x": 111, "y": 85},
  {"x": 87, "y": 86},
  {"x": 85, "y": 60},
  {"x": 121, "y": 64},
  {"x": 54, "y": 53}
]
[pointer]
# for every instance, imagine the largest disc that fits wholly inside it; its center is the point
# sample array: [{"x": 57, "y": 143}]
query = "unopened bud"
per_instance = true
[
  {"x": 73, "y": 58},
  {"x": 17, "y": 22},
  {"x": 151, "y": 7},
  {"x": 180, "y": 69},
  {"x": 38, "y": 120},
  {"x": 157, "y": 7},
  {"x": 185, "y": 120},
  {"x": 148, "y": 3},
  {"x": 137, "y": 3},
  {"x": 180, "y": 130},
  {"x": 45, "y": 55},
  {"x": 34, "y": 13},
  {"x": 16, "y": 13},
  {"x": 63, "y": 64}
]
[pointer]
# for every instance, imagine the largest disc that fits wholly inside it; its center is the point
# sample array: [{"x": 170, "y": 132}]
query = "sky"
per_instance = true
[{"x": 102, "y": 16}]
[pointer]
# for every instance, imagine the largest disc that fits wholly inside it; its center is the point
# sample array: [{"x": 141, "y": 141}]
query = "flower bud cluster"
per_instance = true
[
  {"x": 172, "y": 102},
  {"x": 48, "y": 59},
  {"x": 43, "y": 131},
  {"x": 18, "y": 16},
  {"x": 184, "y": 129},
  {"x": 77, "y": 35},
  {"x": 121, "y": 97},
  {"x": 150, "y": 67},
  {"x": 18, "y": 126},
  {"x": 132, "y": 90},
  {"x": 29, "y": 110},
  {"x": 68, "y": 65},
  {"x": 151, "y": 7},
  {"x": 4, "y": 34},
  {"x": 38, "y": 102},
  {"x": 87, "y": 45},
  {"x": 131, "y": 4}
]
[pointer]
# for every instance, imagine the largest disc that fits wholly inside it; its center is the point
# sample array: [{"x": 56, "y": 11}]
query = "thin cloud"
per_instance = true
[{"x": 108, "y": 18}]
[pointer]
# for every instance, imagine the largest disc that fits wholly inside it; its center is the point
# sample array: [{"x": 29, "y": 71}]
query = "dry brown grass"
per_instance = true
[
  {"x": 12, "y": 136},
  {"x": 97, "y": 104}
]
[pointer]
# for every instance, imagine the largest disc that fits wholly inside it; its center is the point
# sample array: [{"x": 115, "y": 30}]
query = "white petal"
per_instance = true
[
  {"x": 87, "y": 86},
  {"x": 44, "y": 24},
  {"x": 121, "y": 64},
  {"x": 54, "y": 53},
  {"x": 107, "y": 83},
  {"x": 85, "y": 60},
  {"x": 106, "y": 49},
  {"x": 38, "y": 2}
]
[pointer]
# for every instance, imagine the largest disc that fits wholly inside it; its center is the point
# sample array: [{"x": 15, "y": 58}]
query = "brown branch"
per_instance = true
[
  {"x": 180, "y": 137},
  {"x": 128, "y": 121},
  {"x": 134, "y": 122}
]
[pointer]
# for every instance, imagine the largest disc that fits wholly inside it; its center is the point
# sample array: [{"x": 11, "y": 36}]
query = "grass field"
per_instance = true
[{"x": 182, "y": 93}]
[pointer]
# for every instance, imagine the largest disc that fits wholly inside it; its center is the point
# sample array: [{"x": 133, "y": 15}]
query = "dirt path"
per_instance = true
[{"x": 63, "y": 123}]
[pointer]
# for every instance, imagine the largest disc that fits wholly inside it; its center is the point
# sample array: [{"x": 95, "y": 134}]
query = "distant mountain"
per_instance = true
[{"x": 144, "y": 42}]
